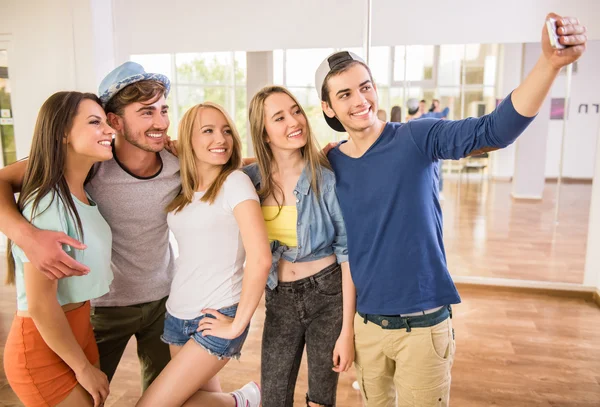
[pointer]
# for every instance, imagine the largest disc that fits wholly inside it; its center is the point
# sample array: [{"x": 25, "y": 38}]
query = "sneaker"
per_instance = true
[{"x": 247, "y": 396}]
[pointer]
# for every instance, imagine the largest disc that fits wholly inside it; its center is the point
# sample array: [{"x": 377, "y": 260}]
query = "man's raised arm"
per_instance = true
[
  {"x": 42, "y": 247},
  {"x": 529, "y": 96}
]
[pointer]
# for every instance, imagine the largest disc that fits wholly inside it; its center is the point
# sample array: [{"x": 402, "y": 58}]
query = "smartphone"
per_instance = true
[{"x": 551, "y": 27}]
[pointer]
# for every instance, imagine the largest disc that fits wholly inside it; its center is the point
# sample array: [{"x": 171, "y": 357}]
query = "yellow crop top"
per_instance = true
[{"x": 282, "y": 227}]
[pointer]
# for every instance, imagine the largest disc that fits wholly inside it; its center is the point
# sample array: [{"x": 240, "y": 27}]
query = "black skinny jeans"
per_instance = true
[{"x": 304, "y": 312}]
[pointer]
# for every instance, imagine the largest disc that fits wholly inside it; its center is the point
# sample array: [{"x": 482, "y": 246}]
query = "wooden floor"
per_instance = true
[
  {"x": 513, "y": 349},
  {"x": 489, "y": 234}
]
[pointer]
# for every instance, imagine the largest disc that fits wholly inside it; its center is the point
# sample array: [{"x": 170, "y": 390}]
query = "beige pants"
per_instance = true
[{"x": 412, "y": 368}]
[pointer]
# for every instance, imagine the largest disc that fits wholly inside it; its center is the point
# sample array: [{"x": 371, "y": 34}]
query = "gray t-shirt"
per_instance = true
[{"x": 143, "y": 262}]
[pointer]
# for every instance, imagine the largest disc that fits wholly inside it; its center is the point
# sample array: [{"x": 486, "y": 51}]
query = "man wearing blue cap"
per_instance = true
[
  {"x": 386, "y": 181},
  {"x": 132, "y": 191}
]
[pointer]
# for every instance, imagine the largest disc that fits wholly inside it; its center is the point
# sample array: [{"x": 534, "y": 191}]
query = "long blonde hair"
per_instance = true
[
  {"x": 187, "y": 161},
  {"x": 313, "y": 156}
]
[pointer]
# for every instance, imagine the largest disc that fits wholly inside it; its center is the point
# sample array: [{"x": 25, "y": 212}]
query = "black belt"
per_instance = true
[{"x": 400, "y": 322}]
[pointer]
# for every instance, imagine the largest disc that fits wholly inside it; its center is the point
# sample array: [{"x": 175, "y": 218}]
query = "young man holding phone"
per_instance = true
[{"x": 387, "y": 178}]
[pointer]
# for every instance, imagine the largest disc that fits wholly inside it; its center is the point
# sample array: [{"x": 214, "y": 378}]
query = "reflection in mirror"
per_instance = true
[{"x": 492, "y": 228}]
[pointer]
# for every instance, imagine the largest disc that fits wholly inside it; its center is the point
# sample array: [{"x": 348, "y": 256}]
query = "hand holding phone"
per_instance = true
[
  {"x": 552, "y": 34},
  {"x": 563, "y": 40}
]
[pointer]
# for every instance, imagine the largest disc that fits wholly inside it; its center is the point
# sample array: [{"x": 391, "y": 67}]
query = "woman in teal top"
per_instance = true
[{"x": 51, "y": 357}]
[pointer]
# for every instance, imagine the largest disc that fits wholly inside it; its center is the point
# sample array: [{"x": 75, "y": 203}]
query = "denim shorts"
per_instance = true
[{"x": 178, "y": 332}]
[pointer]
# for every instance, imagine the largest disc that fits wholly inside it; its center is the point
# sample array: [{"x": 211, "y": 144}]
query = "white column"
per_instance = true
[
  {"x": 509, "y": 77},
  {"x": 592, "y": 263},
  {"x": 93, "y": 42},
  {"x": 530, "y": 159},
  {"x": 259, "y": 73}
]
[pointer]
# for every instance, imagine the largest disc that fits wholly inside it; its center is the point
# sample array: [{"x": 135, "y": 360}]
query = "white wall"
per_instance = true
[
  {"x": 103, "y": 39},
  {"x": 580, "y": 141},
  {"x": 153, "y": 26},
  {"x": 592, "y": 264},
  {"x": 40, "y": 59},
  {"x": 530, "y": 157},
  {"x": 581, "y": 135},
  {"x": 508, "y": 78},
  {"x": 473, "y": 21},
  {"x": 259, "y": 68},
  {"x": 51, "y": 48}
]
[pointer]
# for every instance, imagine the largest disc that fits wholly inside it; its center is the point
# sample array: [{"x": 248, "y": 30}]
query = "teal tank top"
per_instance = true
[{"x": 52, "y": 214}]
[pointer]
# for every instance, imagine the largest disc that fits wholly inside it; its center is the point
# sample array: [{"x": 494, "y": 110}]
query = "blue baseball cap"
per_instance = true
[{"x": 124, "y": 75}]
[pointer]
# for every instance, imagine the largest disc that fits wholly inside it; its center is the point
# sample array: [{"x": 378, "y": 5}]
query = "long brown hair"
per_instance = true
[
  {"x": 45, "y": 173},
  {"x": 313, "y": 156},
  {"x": 187, "y": 161}
]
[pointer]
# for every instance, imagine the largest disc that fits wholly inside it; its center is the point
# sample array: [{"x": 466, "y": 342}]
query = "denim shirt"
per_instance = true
[{"x": 321, "y": 231}]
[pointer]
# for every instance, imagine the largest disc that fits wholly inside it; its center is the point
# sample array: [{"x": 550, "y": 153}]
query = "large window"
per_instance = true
[
  {"x": 476, "y": 80},
  {"x": 295, "y": 69},
  {"x": 218, "y": 77},
  {"x": 462, "y": 77},
  {"x": 413, "y": 63},
  {"x": 7, "y": 134}
]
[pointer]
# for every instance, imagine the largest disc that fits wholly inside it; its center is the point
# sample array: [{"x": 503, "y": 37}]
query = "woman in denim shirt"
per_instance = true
[{"x": 304, "y": 302}]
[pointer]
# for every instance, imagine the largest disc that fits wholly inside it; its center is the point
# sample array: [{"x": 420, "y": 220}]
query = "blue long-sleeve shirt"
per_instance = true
[{"x": 389, "y": 199}]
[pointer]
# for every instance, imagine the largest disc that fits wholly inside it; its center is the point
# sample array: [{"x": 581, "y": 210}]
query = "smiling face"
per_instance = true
[
  {"x": 212, "y": 138},
  {"x": 145, "y": 124},
  {"x": 90, "y": 135},
  {"x": 353, "y": 99},
  {"x": 285, "y": 123}
]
